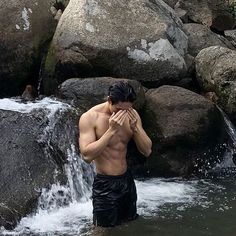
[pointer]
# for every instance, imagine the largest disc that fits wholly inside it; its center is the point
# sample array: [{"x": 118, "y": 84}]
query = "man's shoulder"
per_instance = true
[
  {"x": 92, "y": 114},
  {"x": 89, "y": 115}
]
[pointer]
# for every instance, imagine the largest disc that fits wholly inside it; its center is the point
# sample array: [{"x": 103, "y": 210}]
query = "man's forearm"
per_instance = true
[
  {"x": 93, "y": 150},
  {"x": 143, "y": 142}
]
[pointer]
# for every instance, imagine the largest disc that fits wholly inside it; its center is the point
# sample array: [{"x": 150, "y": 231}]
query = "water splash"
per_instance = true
[
  {"x": 231, "y": 130},
  {"x": 80, "y": 176},
  {"x": 50, "y": 105},
  {"x": 75, "y": 217}
]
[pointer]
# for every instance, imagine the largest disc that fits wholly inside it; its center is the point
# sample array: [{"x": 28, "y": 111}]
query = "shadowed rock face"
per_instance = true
[
  {"x": 171, "y": 3},
  {"x": 140, "y": 40},
  {"x": 33, "y": 150},
  {"x": 182, "y": 125},
  {"x": 25, "y": 28},
  {"x": 216, "y": 71},
  {"x": 212, "y": 13}
]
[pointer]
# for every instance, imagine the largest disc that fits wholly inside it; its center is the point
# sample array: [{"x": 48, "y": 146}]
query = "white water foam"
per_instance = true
[
  {"x": 71, "y": 219},
  {"x": 156, "y": 192},
  {"x": 46, "y": 103}
]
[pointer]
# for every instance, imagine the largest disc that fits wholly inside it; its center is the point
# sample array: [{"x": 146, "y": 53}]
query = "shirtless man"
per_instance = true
[{"x": 105, "y": 131}]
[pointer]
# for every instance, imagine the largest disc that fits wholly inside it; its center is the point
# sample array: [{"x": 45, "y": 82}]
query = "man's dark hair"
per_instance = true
[{"x": 121, "y": 92}]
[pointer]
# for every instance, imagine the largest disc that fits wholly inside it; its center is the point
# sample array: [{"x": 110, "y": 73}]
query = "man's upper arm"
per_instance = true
[{"x": 86, "y": 131}]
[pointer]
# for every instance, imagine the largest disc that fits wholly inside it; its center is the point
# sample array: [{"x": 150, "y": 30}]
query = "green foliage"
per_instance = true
[{"x": 232, "y": 7}]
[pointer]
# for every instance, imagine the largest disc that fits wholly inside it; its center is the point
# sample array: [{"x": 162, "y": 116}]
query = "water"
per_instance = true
[
  {"x": 168, "y": 207},
  {"x": 231, "y": 130}
]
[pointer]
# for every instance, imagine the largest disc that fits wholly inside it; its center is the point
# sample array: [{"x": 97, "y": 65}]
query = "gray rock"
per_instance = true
[
  {"x": 58, "y": 15},
  {"x": 88, "y": 92},
  {"x": 29, "y": 93},
  {"x": 33, "y": 150},
  {"x": 25, "y": 28},
  {"x": 231, "y": 36},
  {"x": 216, "y": 71},
  {"x": 171, "y": 3},
  {"x": 201, "y": 37},
  {"x": 182, "y": 125},
  {"x": 140, "y": 40},
  {"x": 212, "y": 13}
]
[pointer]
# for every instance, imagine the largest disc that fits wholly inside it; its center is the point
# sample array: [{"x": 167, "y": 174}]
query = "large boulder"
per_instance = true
[
  {"x": 34, "y": 145},
  {"x": 216, "y": 71},
  {"x": 212, "y": 13},
  {"x": 182, "y": 126},
  {"x": 140, "y": 40},
  {"x": 201, "y": 36},
  {"x": 26, "y": 26},
  {"x": 88, "y": 92},
  {"x": 231, "y": 36}
]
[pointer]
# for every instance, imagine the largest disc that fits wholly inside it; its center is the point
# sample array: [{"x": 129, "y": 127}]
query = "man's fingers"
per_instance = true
[
  {"x": 131, "y": 115},
  {"x": 121, "y": 114},
  {"x": 134, "y": 112},
  {"x": 112, "y": 115},
  {"x": 117, "y": 114},
  {"x": 123, "y": 118}
]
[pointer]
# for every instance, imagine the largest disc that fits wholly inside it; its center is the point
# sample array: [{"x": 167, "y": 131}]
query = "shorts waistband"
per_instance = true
[{"x": 113, "y": 176}]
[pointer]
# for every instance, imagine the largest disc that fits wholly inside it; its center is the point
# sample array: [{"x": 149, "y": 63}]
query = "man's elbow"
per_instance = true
[
  {"x": 149, "y": 149},
  {"x": 147, "y": 153},
  {"x": 85, "y": 156},
  {"x": 86, "y": 159}
]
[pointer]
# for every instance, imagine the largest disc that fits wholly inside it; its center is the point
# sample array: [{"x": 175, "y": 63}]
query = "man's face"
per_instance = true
[{"x": 120, "y": 106}]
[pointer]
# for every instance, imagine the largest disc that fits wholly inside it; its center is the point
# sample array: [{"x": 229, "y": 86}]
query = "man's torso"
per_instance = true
[{"x": 112, "y": 161}]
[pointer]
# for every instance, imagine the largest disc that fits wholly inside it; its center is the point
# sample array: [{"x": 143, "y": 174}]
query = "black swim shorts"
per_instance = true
[{"x": 114, "y": 199}]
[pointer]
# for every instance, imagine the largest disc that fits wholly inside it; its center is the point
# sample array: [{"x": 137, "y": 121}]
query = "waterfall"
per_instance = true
[
  {"x": 78, "y": 189},
  {"x": 231, "y": 131},
  {"x": 79, "y": 174},
  {"x": 227, "y": 166},
  {"x": 40, "y": 77}
]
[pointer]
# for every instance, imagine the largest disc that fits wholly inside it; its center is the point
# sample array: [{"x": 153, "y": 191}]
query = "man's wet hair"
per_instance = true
[{"x": 121, "y": 92}]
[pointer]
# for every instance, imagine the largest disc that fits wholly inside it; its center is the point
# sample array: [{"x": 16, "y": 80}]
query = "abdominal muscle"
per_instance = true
[{"x": 112, "y": 161}]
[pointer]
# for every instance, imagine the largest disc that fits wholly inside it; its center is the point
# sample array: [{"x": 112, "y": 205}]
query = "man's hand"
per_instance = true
[
  {"x": 133, "y": 118},
  {"x": 117, "y": 119}
]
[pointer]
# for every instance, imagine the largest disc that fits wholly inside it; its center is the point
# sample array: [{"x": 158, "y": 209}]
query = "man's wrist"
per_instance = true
[
  {"x": 111, "y": 131},
  {"x": 135, "y": 129}
]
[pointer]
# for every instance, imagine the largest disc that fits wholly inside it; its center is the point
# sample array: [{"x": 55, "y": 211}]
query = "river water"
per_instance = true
[{"x": 167, "y": 207}]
